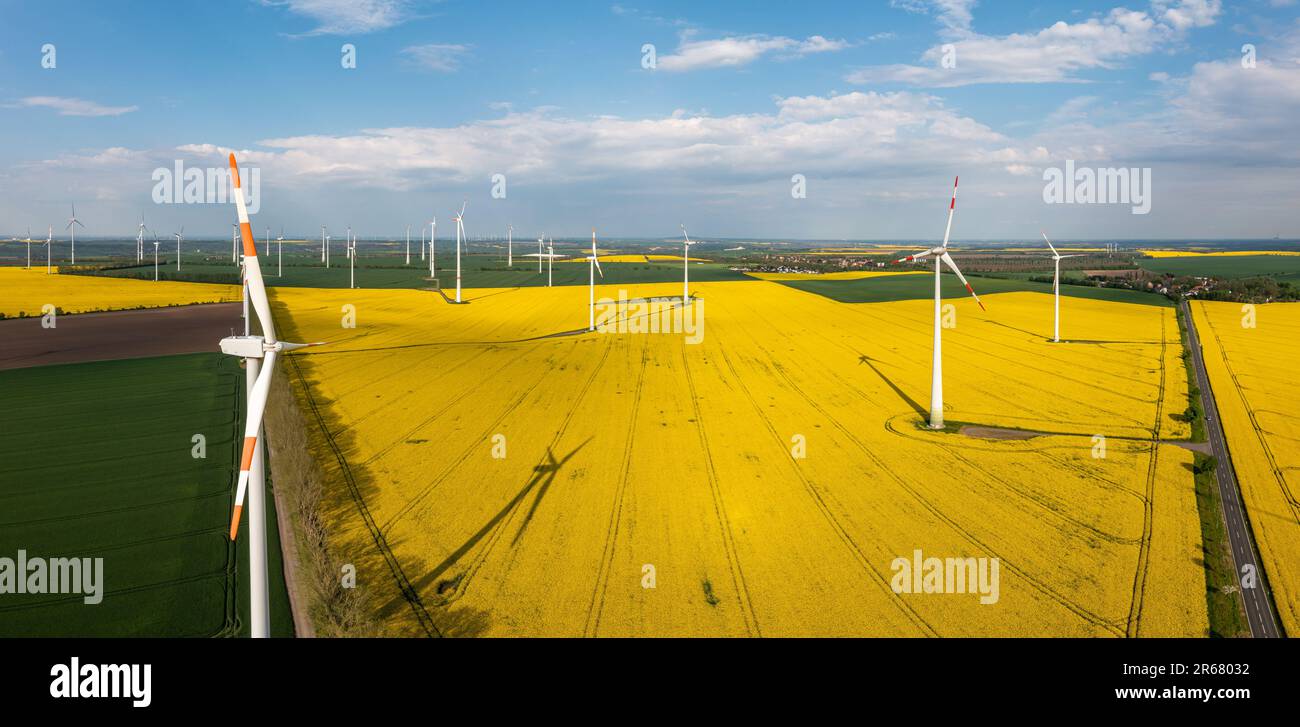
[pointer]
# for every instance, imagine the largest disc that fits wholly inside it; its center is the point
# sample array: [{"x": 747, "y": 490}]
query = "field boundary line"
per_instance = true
[{"x": 394, "y": 566}]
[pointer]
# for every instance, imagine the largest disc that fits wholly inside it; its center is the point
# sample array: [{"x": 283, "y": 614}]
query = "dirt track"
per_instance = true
[{"x": 117, "y": 335}]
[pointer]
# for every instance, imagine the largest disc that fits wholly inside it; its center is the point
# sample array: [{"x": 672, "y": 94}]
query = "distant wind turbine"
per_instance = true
[
  {"x": 510, "y": 246},
  {"x": 139, "y": 241},
  {"x": 1056, "y": 289},
  {"x": 179, "y": 236},
  {"x": 408, "y": 244},
  {"x": 460, "y": 232},
  {"x": 49, "y": 239},
  {"x": 593, "y": 268},
  {"x": 72, "y": 222},
  {"x": 686, "y": 266}
]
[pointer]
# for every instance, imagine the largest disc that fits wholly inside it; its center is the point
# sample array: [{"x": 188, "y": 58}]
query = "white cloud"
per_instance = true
[
  {"x": 440, "y": 57},
  {"x": 72, "y": 106},
  {"x": 736, "y": 51},
  {"x": 954, "y": 15},
  {"x": 335, "y": 17},
  {"x": 1054, "y": 54}
]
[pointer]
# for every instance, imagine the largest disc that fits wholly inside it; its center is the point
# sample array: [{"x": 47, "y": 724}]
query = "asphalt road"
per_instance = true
[{"x": 1259, "y": 612}]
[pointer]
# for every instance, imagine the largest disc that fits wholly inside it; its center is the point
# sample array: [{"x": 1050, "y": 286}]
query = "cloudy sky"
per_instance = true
[{"x": 878, "y": 105}]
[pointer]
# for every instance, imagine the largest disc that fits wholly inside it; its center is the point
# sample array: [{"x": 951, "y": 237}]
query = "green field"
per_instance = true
[
  {"x": 919, "y": 287},
  {"x": 1286, "y": 267},
  {"x": 97, "y": 464},
  {"x": 477, "y": 271}
]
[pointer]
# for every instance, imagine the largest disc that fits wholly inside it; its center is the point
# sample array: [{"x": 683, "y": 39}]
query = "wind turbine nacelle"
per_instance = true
[{"x": 243, "y": 346}]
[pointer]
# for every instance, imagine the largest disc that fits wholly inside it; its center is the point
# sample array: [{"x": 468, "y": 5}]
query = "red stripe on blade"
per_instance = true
[
  {"x": 234, "y": 521},
  {"x": 246, "y": 232},
  {"x": 234, "y": 171},
  {"x": 246, "y": 461}
]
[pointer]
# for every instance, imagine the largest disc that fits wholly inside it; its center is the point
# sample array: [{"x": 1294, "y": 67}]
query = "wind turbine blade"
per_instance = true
[
  {"x": 947, "y": 259},
  {"x": 917, "y": 256},
  {"x": 256, "y": 409},
  {"x": 597, "y": 261},
  {"x": 1049, "y": 244},
  {"x": 252, "y": 270},
  {"x": 952, "y": 206}
]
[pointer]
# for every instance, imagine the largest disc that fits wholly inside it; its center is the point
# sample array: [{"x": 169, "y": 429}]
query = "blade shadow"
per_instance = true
[{"x": 544, "y": 473}]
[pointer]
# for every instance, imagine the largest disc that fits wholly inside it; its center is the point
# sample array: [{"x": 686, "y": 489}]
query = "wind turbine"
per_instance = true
[
  {"x": 460, "y": 231},
  {"x": 940, "y": 257},
  {"x": 254, "y": 350},
  {"x": 29, "y": 248},
  {"x": 352, "y": 260},
  {"x": 1056, "y": 289},
  {"x": 593, "y": 268},
  {"x": 279, "y": 250},
  {"x": 139, "y": 241},
  {"x": 408, "y": 244},
  {"x": 510, "y": 246},
  {"x": 234, "y": 250},
  {"x": 49, "y": 238},
  {"x": 433, "y": 246},
  {"x": 155, "y": 258},
  {"x": 322, "y": 244},
  {"x": 179, "y": 236},
  {"x": 72, "y": 221},
  {"x": 686, "y": 265},
  {"x": 539, "y": 255}
]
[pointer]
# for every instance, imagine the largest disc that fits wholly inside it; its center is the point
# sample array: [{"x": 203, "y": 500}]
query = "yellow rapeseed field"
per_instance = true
[
  {"x": 492, "y": 477},
  {"x": 26, "y": 291},
  {"x": 1252, "y": 372}
]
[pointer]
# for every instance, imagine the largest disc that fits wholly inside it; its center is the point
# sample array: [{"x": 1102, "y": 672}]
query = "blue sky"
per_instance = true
[{"x": 854, "y": 96}]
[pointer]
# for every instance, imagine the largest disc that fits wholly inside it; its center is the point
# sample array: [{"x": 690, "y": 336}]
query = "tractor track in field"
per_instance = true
[
  {"x": 1259, "y": 430},
  {"x": 1014, "y": 405},
  {"x": 597, "y": 605},
  {"x": 1148, "y": 506},
  {"x": 403, "y": 583},
  {"x": 824, "y": 509},
  {"x": 460, "y": 459},
  {"x": 720, "y": 511},
  {"x": 405, "y": 436},
  {"x": 493, "y": 536},
  {"x": 1043, "y": 588}
]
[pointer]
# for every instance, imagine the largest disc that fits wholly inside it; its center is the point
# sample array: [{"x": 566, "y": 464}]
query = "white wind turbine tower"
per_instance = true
[
  {"x": 29, "y": 248},
  {"x": 179, "y": 236},
  {"x": 1056, "y": 289},
  {"x": 941, "y": 257},
  {"x": 259, "y": 354},
  {"x": 510, "y": 246},
  {"x": 49, "y": 240},
  {"x": 686, "y": 265},
  {"x": 433, "y": 246},
  {"x": 408, "y": 244},
  {"x": 139, "y": 241},
  {"x": 279, "y": 250},
  {"x": 593, "y": 268},
  {"x": 539, "y": 255},
  {"x": 234, "y": 244},
  {"x": 72, "y": 223},
  {"x": 155, "y": 258},
  {"x": 460, "y": 232},
  {"x": 352, "y": 260},
  {"x": 322, "y": 244}
]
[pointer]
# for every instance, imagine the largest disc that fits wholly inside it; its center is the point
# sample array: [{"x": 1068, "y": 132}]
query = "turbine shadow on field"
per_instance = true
[
  {"x": 913, "y": 403},
  {"x": 1094, "y": 342},
  {"x": 544, "y": 473}
]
